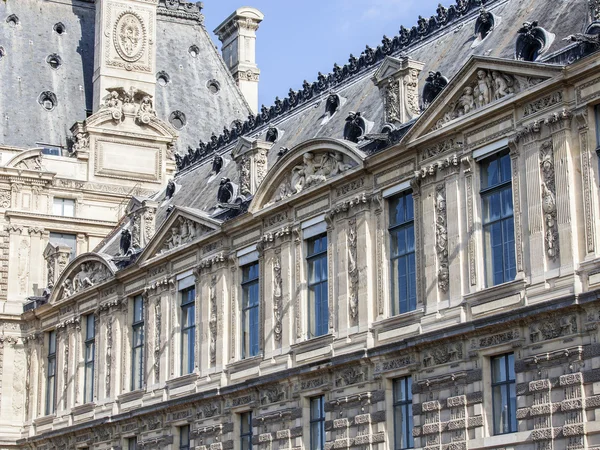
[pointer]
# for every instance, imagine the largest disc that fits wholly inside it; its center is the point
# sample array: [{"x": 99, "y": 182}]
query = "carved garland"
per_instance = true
[
  {"x": 441, "y": 237},
  {"x": 212, "y": 323},
  {"x": 353, "y": 271},
  {"x": 277, "y": 299},
  {"x": 549, "y": 199}
]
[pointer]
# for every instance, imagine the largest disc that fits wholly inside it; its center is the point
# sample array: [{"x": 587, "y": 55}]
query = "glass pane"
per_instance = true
[
  {"x": 68, "y": 208},
  {"x": 400, "y": 425},
  {"x": 511, "y": 366},
  {"x": 500, "y": 400},
  {"x": 499, "y": 369},
  {"x": 505, "y": 172},
  {"x": 89, "y": 383},
  {"x": 51, "y": 367},
  {"x": 513, "y": 407},
  {"x": 138, "y": 309},
  {"x": 184, "y": 436},
  {"x": 51, "y": 396},
  {"x": 57, "y": 207},
  {"x": 508, "y": 234},
  {"x": 316, "y": 437},
  {"x": 491, "y": 207},
  {"x": 246, "y": 419},
  {"x": 137, "y": 368},
  {"x": 52, "y": 342},
  {"x": 90, "y": 327},
  {"x": 138, "y": 336},
  {"x": 507, "y": 202},
  {"x": 489, "y": 173},
  {"x": 254, "y": 331}
]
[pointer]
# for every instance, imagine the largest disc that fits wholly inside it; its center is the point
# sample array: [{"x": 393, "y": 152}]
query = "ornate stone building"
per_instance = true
[{"x": 404, "y": 254}]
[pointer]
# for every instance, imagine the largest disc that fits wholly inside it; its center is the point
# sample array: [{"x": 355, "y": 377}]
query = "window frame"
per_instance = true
[
  {"x": 137, "y": 350},
  {"x": 51, "y": 378},
  {"x": 504, "y": 384},
  {"x": 187, "y": 303},
  {"x": 61, "y": 204},
  {"x": 509, "y": 268},
  {"x": 317, "y": 422},
  {"x": 406, "y": 406},
  {"x": 396, "y": 302},
  {"x": 249, "y": 434},
  {"x": 183, "y": 431},
  {"x": 254, "y": 331},
  {"x": 322, "y": 327},
  {"x": 89, "y": 363}
]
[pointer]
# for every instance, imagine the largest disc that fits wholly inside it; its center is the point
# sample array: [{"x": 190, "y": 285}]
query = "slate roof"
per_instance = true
[
  {"x": 446, "y": 50},
  {"x": 24, "y": 73}
]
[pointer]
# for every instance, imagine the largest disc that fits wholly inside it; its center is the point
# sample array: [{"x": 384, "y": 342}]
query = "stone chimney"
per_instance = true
[
  {"x": 250, "y": 155},
  {"x": 398, "y": 82},
  {"x": 238, "y": 35},
  {"x": 57, "y": 257}
]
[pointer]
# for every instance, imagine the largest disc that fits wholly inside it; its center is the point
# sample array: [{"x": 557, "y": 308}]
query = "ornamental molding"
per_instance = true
[
  {"x": 431, "y": 169},
  {"x": 353, "y": 271},
  {"x": 441, "y": 238},
  {"x": 277, "y": 299},
  {"x": 548, "y": 192}
]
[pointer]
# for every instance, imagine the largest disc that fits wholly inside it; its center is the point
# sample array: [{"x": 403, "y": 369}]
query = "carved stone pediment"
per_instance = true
[
  {"x": 28, "y": 160},
  {"x": 83, "y": 273},
  {"x": 310, "y": 164},
  {"x": 184, "y": 225},
  {"x": 481, "y": 83}
]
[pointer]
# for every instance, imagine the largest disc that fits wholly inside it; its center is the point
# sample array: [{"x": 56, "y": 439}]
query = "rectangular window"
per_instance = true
[
  {"x": 184, "y": 437},
  {"x": 498, "y": 221},
  {"x": 250, "y": 324},
  {"x": 317, "y": 423},
  {"x": 188, "y": 329},
  {"x": 63, "y": 207},
  {"x": 402, "y": 253},
  {"x": 318, "y": 305},
  {"x": 504, "y": 394},
  {"x": 65, "y": 239},
  {"x": 137, "y": 344},
  {"x": 403, "y": 418},
  {"x": 246, "y": 430},
  {"x": 51, "y": 375},
  {"x": 132, "y": 443},
  {"x": 90, "y": 350}
]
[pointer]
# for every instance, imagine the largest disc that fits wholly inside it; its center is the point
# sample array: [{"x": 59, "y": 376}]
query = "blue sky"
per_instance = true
[{"x": 298, "y": 39}]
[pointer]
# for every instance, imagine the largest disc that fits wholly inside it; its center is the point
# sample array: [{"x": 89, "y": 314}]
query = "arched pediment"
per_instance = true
[
  {"x": 151, "y": 124},
  {"x": 29, "y": 159},
  {"x": 309, "y": 164},
  {"x": 82, "y": 273}
]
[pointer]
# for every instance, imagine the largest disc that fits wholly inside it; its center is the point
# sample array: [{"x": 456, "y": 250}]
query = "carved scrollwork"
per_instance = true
[
  {"x": 212, "y": 322},
  {"x": 353, "y": 271},
  {"x": 277, "y": 299}
]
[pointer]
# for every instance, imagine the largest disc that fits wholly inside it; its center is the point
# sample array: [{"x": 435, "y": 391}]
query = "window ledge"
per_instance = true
[
  {"x": 496, "y": 297},
  {"x": 44, "y": 420},
  {"x": 246, "y": 363},
  {"x": 82, "y": 409},
  {"x": 131, "y": 396},
  {"x": 399, "y": 319},
  {"x": 182, "y": 380},
  {"x": 311, "y": 343}
]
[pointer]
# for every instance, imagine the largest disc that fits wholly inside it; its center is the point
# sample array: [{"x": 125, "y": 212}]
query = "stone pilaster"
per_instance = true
[{"x": 250, "y": 155}]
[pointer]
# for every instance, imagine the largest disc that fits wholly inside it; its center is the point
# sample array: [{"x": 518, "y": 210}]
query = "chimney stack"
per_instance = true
[{"x": 238, "y": 35}]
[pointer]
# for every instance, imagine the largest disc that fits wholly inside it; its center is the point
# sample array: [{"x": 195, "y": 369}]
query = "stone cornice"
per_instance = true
[{"x": 59, "y": 219}]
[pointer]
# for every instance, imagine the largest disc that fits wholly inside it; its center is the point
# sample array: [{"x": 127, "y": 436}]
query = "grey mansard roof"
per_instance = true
[
  {"x": 447, "y": 50},
  {"x": 25, "y": 74}
]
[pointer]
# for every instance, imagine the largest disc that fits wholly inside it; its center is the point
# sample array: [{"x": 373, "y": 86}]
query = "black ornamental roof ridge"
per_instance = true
[{"x": 406, "y": 38}]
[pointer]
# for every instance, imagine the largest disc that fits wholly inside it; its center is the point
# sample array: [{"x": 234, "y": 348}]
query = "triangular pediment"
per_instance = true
[
  {"x": 388, "y": 68},
  {"x": 183, "y": 227},
  {"x": 481, "y": 84}
]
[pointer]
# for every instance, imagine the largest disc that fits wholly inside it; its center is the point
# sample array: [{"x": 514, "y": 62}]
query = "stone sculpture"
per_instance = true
[{"x": 434, "y": 84}]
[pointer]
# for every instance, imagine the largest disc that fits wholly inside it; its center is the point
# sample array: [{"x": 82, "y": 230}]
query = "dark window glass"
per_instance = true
[
  {"x": 51, "y": 375},
  {"x": 188, "y": 329},
  {"x": 498, "y": 220},
  {"x": 318, "y": 305},
  {"x": 402, "y": 253},
  {"x": 184, "y": 437},
  {"x": 137, "y": 344},
  {"x": 317, "y": 423},
  {"x": 250, "y": 300},
  {"x": 403, "y": 418},
  {"x": 246, "y": 430},
  {"x": 504, "y": 395},
  {"x": 132, "y": 443},
  {"x": 90, "y": 350}
]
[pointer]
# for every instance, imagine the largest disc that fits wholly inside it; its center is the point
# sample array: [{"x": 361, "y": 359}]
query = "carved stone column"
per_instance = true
[
  {"x": 467, "y": 163},
  {"x": 581, "y": 120},
  {"x": 566, "y": 188},
  {"x": 250, "y": 155},
  {"x": 397, "y": 80}
]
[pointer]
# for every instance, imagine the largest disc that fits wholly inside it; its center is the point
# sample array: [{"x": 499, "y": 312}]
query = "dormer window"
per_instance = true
[{"x": 533, "y": 40}]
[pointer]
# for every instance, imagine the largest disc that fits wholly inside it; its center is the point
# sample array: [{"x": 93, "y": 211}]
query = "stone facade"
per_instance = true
[{"x": 540, "y": 116}]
